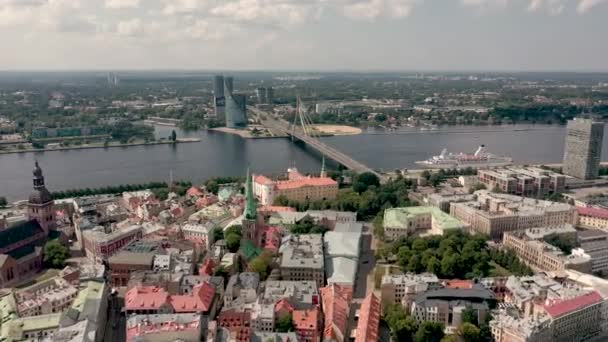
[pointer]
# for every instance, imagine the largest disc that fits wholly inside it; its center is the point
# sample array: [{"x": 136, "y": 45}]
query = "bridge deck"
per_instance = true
[{"x": 281, "y": 126}]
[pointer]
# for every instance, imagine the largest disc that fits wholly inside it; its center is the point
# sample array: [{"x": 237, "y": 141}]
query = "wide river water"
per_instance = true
[{"x": 220, "y": 154}]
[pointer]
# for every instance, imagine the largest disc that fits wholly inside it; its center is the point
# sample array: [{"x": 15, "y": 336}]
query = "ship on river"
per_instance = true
[{"x": 480, "y": 159}]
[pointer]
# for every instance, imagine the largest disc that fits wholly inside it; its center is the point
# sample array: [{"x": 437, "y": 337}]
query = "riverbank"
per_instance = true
[
  {"x": 337, "y": 130},
  {"x": 264, "y": 133},
  {"x": 101, "y": 145}
]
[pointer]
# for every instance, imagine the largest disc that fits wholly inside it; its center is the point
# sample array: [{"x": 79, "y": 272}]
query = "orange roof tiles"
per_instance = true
[
  {"x": 283, "y": 306},
  {"x": 195, "y": 192},
  {"x": 260, "y": 179},
  {"x": 305, "y": 181},
  {"x": 306, "y": 319},
  {"x": 199, "y": 301},
  {"x": 459, "y": 284},
  {"x": 145, "y": 298},
  {"x": 369, "y": 319},
  {"x": 275, "y": 209},
  {"x": 567, "y": 306},
  {"x": 336, "y": 299}
]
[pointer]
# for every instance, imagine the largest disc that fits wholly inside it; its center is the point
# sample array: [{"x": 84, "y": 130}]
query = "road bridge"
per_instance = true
[{"x": 283, "y": 127}]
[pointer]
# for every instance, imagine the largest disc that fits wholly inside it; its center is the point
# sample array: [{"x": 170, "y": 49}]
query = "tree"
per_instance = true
[
  {"x": 3, "y": 201},
  {"x": 261, "y": 264},
  {"x": 285, "y": 324},
  {"x": 218, "y": 234},
  {"x": 469, "y": 332},
  {"x": 364, "y": 180},
  {"x": 403, "y": 327},
  {"x": 233, "y": 242},
  {"x": 430, "y": 332},
  {"x": 469, "y": 315},
  {"x": 173, "y": 136},
  {"x": 55, "y": 254}
]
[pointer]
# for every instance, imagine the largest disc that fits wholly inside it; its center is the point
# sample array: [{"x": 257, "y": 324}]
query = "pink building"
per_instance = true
[
  {"x": 369, "y": 319},
  {"x": 336, "y": 307}
]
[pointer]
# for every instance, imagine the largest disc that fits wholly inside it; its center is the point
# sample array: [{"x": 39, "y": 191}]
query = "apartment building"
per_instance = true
[
  {"x": 542, "y": 256},
  {"x": 401, "y": 222},
  {"x": 301, "y": 258},
  {"x": 100, "y": 244},
  {"x": 494, "y": 214},
  {"x": 592, "y": 217},
  {"x": 594, "y": 243},
  {"x": 523, "y": 181},
  {"x": 402, "y": 288}
]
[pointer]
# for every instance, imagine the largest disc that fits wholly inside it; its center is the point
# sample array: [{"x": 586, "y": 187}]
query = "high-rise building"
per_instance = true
[
  {"x": 219, "y": 101},
  {"x": 269, "y": 95},
  {"x": 236, "y": 106},
  {"x": 583, "y": 148},
  {"x": 260, "y": 94}
]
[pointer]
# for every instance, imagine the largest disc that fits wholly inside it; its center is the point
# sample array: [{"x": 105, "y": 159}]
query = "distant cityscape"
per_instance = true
[{"x": 467, "y": 247}]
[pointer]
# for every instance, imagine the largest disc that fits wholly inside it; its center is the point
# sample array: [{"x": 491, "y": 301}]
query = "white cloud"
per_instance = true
[
  {"x": 585, "y": 5},
  {"x": 373, "y": 9},
  {"x": 122, "y": 4},
  {"x": 553, "y": 7},
  {"x": 172, "y": 7},
  {"x": 130, "y": 28}
]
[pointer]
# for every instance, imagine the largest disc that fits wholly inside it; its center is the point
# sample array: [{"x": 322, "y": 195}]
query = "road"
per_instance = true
[{"x": 116, "y": 326}]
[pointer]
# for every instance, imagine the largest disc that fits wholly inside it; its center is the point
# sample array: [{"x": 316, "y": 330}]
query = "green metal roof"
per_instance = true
[
  {"x": 19, "y": 232},
  {"x": 399, "y": 217}
]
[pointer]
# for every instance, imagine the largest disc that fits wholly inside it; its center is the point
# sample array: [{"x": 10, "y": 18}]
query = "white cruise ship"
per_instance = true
[{"x": 480, "y": 159}]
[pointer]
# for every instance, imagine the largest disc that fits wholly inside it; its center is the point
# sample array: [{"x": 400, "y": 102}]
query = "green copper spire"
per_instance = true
[{"x": 251, "y": 209}]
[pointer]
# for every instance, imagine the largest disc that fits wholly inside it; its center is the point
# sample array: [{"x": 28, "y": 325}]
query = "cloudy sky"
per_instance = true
[{"x": 305, "y": 34}]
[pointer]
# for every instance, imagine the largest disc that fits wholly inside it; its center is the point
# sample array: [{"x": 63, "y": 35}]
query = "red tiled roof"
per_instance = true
[
  {"x": 275, "y": 209},
  {"x": 305, "y": 181},
  {"x": 306, "y": 319},
  {"x": 145, "y": 298},
  {"x": 283, "y": 304},
  {"x": 336, "y": 300},
  {"x": 593, "y": 212},
  {"x": 199, "y": 301},
  {"x": 369, "y": 319},
  {"x": 195, "y": 192},
  {"x": 459, "y": 284},
  {"x": 261, "y": 179},
  {"x": 159, "y": 328},
  {"x": 273, "y": 237},
  {"x": 207, "y": 267},
  {"x": 566, "y": 306}
]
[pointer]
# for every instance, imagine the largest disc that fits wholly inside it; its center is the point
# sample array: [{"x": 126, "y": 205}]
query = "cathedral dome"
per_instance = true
[{"x": 40, "y": 196}]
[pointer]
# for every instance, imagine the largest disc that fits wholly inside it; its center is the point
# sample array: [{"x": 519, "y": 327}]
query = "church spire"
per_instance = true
[
  {"x": 38, "y": 177},
  {"x": 250, "y": 209}
]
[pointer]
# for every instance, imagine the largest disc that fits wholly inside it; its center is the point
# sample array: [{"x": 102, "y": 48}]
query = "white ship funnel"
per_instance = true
[{"x": 480, "y": 150}]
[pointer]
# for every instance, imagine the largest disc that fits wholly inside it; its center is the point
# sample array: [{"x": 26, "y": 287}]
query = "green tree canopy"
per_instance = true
[
  {"x": 430, "y": 332},
  {"x": 469, "y": 332},
  {"x": 261, "y": 264},
  {"x": 55, "y": 254},
  {"x": 285, "y": 324},
  {"x": 233, "y": 242},
  {"x": 364, "y": 180},
  {"x": 3, "y": 201}
]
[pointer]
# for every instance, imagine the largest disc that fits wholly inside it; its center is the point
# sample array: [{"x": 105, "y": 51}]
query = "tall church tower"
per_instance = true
[
  {"x": 251, "y": 212},
  {"x": 40, "y": 204}
]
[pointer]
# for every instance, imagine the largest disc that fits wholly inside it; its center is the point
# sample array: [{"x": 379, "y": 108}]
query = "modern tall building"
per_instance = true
[
  {"x": 264, "y": 95},
  {"x": 219, "y": 101},
  {"x": 583, "y": 148},
  {"x": 236, "y": 106}
]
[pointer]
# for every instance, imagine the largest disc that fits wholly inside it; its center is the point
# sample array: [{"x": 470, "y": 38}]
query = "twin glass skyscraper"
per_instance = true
[{"x": 229, "y": 107}]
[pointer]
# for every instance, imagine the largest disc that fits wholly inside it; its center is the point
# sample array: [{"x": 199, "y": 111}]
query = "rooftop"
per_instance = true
[
  {"x": 336, "y": 306},
  {"x": 369, "y": 319},
  {"x": 399, "y": 217},
  {"x": 131, "y": 258},
  {"x": 563, "y": 307},
  {"x": 302, "y": 251},
  {"x": 593, "y": 212}
]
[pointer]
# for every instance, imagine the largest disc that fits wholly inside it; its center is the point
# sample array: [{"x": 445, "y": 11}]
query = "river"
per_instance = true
[{"x": 220, "y": 154}]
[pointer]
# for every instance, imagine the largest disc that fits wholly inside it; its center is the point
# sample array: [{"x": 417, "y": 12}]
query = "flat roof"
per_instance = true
[{"x": 398, "y": 217}]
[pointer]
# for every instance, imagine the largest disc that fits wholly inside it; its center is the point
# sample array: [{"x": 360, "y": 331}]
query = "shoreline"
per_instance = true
[{"x": 87, "y": 147}]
